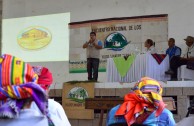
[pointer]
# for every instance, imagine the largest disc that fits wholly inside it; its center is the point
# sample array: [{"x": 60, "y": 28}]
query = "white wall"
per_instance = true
[{"x": 180, "y": 19}]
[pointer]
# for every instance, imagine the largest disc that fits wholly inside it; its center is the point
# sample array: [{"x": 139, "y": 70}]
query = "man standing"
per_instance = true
[
  {"x": 173, "y": 50},
  {"x": 93, "y": 47},
  {"x": 176, "y": 62}
]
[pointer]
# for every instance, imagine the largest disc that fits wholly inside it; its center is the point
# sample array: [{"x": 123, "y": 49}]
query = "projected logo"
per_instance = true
[
  {"x": 115, "y": 41},
  {"x": 78, "y": 94},
  {"x": 34, "y": 38}
]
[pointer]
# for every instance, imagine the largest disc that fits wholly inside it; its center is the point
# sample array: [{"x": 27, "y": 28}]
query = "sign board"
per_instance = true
[
  {"x": 73, "y": 99},
  {"x": 120, "y": 37}
]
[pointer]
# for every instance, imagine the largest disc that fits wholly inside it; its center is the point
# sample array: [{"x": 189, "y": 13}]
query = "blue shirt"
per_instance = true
[
  {"x": 173, "y": 51},
  {"x": 99, "y": 43},
  {"x": 164, "y": 119}
]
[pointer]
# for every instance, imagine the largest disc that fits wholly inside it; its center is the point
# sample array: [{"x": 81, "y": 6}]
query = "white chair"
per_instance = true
[{"x": 185, "y": 74}]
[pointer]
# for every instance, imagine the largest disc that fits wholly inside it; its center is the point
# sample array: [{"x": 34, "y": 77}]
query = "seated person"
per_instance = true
[
  {"x": 150, "y": 45},
  {"x": 177, "y": 61},
  {"x": 56, "y": 111},
  {"x": 143, "y": 106},
  {"x": 173, "y": 50},
  {"x": 18, "y": 90}
]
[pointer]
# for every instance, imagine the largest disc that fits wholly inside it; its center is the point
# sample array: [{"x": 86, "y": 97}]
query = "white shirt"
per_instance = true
[
  {"x": 56, "y": 111},
  {"x": 152, "y": 50},
  {"x": 27, "y": 117},
  {"x": 189, "y": 121},
  {"x": 190, "y": 51}
]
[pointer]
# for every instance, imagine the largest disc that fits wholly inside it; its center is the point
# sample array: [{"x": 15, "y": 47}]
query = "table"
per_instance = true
[{"x": 143, "y": 65}]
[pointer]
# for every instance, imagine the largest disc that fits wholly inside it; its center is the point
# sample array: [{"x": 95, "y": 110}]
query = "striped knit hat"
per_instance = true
[
  {"x": 13, "y": 71},
  {"x": 17, "y": 83}
]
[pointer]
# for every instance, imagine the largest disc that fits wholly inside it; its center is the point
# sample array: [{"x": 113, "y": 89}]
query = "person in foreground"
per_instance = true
[
  {"x": 142, "y": 106},
  {"x": 56, "y": 111},
  {"x": 150, "y": 46},
  {"x": 93, "y": 47},
  {"x": 18, "y": 88}
]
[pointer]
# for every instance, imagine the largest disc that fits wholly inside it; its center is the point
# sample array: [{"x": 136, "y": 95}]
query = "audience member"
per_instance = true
[
  {"x": 150, "y": 46},
  {"x": 143, "y": 106},
  {"x": 56, "y": 111},
  {"x": 18, "y": 88}
]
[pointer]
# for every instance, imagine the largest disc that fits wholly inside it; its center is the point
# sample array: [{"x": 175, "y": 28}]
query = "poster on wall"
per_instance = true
[{"x": 120, "y": 37}]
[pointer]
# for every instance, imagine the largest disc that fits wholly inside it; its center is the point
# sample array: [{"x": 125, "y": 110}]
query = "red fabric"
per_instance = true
[
  {"x": 134, "y": 104},
  {"x": 45, "y": 78},
  {"x": 159, "y": 57},
  {"x": 141, "y": 118}
]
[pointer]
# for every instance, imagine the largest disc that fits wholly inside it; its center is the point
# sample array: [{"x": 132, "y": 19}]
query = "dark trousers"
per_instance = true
[
  {"x": 176, "y": 62},
  {"x": 92, "y": 68}
]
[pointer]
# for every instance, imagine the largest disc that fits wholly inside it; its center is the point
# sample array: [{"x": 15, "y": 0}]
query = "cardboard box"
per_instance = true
[{"x": 73, "y": 99}]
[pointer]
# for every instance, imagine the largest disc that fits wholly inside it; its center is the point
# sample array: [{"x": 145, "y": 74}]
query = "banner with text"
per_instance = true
[{"x": 120, "y": 37}]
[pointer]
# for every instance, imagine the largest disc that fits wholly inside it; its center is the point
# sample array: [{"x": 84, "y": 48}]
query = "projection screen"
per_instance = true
[{"x": 38, "y": 38}]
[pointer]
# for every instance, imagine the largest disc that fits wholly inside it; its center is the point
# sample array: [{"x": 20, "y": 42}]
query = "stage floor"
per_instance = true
[{"x": 130, "y": 85}]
